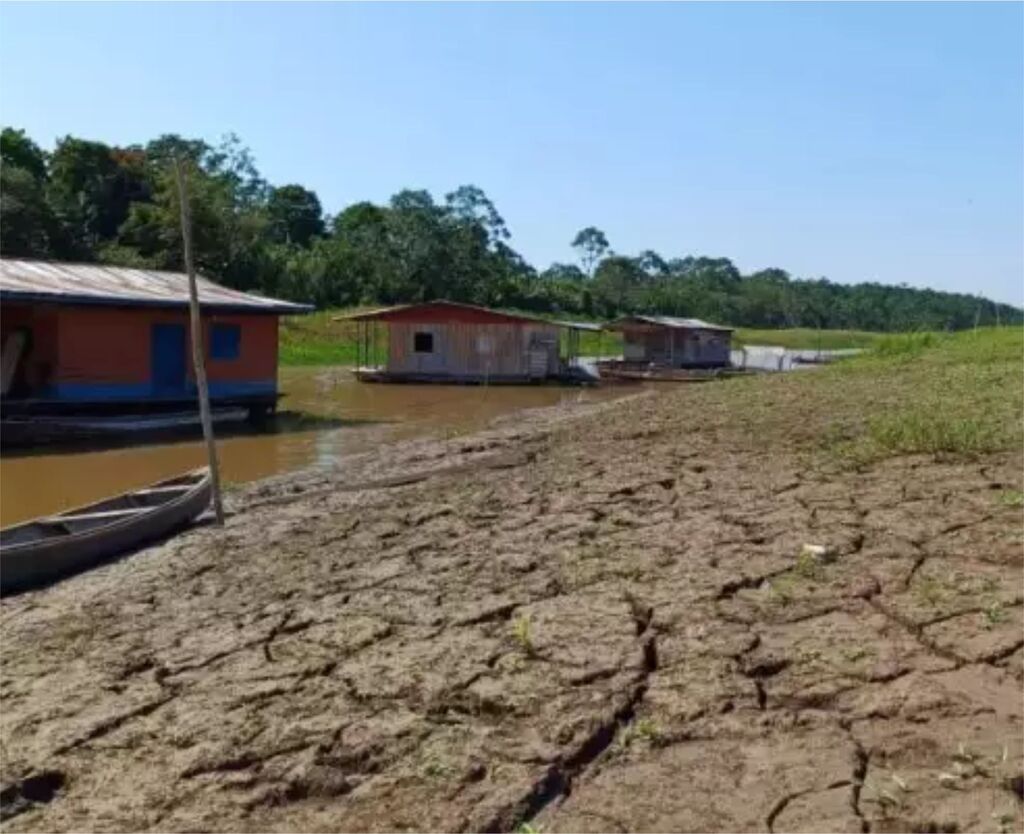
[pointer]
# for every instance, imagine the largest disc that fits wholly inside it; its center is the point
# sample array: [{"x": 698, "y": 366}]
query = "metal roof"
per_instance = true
[
  {"x": 98, "y": 284},
  {"x": 667, "y": 321},
  {"x": 384, "y": 313},
  {"x": 580, "y": 325}
]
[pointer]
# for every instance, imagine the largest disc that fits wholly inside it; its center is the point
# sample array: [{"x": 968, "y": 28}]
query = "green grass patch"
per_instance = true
[
  {"x": 316, "y": 339},
  {"x": 957, "y": 394},
  {"x": 805, "y": 338},
  {"x": 903, "y": 345},
  {"x": 1012, "y": 498},
  {"x": 914, "y": 431}
]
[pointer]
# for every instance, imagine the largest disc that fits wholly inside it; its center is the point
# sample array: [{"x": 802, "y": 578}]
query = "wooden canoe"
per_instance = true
[{"x": 46, "y": 549}]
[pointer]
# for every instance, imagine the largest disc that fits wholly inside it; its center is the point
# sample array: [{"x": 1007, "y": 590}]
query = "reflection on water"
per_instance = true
[{"x": 356, "y": 416}]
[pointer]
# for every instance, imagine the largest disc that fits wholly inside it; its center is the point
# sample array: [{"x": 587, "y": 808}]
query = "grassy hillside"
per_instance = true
[
  {"x": 912, "y": 393},
  {"x": 957, "y": 393},
  {"x": 804, "y": 338},
  {"x": 317, "y": 340}
]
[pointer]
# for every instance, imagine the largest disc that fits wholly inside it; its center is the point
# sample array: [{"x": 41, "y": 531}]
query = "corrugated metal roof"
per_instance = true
[
  {"x": 668, "y": 321},
  {"x": 97, "y": 284},
  {"x": 384, "y": 313},
  {"x": 580, "y": 325}
]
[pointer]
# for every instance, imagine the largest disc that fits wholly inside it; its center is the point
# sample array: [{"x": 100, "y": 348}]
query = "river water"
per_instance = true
[{"x": 339, "y": 416}]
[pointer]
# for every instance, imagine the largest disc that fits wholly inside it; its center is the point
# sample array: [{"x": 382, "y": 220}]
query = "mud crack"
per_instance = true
[
  {"x": 860, "y": 772},
  {"x": 780, "y": 806},
  {"x": 557, "y": 781},
  {"x": 112, "y": 723}
]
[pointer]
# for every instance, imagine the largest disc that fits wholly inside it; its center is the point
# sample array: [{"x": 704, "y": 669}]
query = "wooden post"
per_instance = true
[{"x": 198, "y": 360}]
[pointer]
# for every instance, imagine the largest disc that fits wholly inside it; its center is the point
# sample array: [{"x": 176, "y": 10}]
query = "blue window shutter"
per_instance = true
[{"x": 225, "y": 341}]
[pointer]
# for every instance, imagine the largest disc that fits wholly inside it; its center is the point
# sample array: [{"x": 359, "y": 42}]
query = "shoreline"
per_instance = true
[
  {"x": 398, "y": 459},
  {"x": 552, "y": 622}
]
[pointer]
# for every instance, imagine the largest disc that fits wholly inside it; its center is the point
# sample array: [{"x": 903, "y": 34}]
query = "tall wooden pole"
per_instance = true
[{"x": 198, "y": 360}]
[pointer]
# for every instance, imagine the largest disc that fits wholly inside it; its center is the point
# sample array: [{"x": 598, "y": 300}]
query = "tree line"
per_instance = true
[{"x": 92, "y": 202}]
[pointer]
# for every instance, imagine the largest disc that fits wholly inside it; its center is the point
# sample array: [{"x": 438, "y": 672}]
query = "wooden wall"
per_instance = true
[
  {"x": 105, "y": 352},
  {"x": 688, "y": 348},
  {"x": 472, "y": 350},
  {"x": 113, "y": 345},
  {"x": 39, "y": 363}
]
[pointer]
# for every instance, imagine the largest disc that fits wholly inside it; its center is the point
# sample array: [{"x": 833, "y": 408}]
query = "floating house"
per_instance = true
[
  {"x": 669, "y": 342},
  {"x": 88, "y": 338},
  {"x": 443, "y": 341}
]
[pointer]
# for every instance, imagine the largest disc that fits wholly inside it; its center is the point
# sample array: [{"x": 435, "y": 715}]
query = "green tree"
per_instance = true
[
  {"x": 26, "y": 220},
  {"x": 618, "y": 285},
  {"x": 592, "y": 244},
  {"x": 91, "y": 201},
  {"x": 90, "y": 191},
  {"x": 18, "y": 150},
  {"x": 295, "y": 215},
  {"x": 469, "y": 205}
]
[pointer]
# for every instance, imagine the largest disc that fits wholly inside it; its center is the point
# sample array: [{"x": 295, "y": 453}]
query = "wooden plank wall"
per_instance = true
[
  {"x": 692, "y": 347},
  {"x": 470, "y": 349}
]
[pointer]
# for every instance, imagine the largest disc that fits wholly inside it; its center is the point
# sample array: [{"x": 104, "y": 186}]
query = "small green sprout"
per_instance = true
[
  {"x": 930, "y": 590},
  {"x": 435, "y": 769},
  {"x": 1012, "y": 498},
  {"x": 1005, "y": 820},
  {"x": 994, "y": 615},
  {"x": 856, "y": 653},
  {"x": 521, "y": 634},
  {"x": 782, "y": 588},
  {"x": 643, "y": 729}
]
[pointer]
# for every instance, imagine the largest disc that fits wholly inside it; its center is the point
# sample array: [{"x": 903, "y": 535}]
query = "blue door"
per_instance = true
[{"x": 167, "y": 351}]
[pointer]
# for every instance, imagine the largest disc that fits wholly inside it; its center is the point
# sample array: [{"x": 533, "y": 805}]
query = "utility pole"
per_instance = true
[{"x": 198, "y": 360}]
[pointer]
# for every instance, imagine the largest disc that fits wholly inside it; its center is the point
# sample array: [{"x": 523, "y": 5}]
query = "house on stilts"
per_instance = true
[
  {"x": 449, "y": 342},
  {"x": 670, "y": 342},
  {"x": 97, "y": 339}
]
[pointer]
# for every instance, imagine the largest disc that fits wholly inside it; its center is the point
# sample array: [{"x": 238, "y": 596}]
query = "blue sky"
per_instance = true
[{"x": 853, "y": 141}]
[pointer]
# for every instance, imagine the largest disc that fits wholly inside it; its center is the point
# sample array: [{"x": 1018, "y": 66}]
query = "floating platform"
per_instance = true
[
  {"x": 571, "y": 376},
  {"x": 36, "y": 429},
  {"x": 647, "y": 372}
]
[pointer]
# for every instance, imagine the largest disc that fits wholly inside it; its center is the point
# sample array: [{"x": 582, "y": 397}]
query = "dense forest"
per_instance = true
[{"x": 88, "y": 201}]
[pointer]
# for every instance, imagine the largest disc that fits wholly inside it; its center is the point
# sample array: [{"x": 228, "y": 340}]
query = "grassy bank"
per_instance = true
[
  {"x": 930, "y": 393},
  {"x": 805, "y": 338},
  {"x": 317, "y": 340}
]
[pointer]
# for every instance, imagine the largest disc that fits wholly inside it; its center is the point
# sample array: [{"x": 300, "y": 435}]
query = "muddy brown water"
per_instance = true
[{"x": 339, "y": 417}]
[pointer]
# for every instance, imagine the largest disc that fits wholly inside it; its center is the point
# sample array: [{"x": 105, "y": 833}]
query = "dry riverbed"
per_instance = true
[{"x": 595, "y": 617}]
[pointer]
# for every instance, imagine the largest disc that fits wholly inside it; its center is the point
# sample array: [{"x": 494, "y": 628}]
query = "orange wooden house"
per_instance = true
[{"x": 81, "y": 338}]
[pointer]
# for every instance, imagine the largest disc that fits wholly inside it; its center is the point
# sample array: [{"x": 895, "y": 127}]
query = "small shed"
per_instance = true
[
  {"x": 445, "y": 341},
  {"x": 670, "y": 342},
  {"x": 92, "y": 338}
]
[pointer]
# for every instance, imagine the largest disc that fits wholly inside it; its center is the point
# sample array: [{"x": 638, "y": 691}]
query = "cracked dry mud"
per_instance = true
[{"x": 593, "y": 619}]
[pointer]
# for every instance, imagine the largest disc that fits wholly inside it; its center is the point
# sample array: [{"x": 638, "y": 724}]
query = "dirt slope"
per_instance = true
[{"x": 602, "y": 621}]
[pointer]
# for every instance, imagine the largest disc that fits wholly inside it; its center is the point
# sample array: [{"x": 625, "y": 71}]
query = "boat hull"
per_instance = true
[
  {"x": 647, "y": 372},
  {"x": 37, "y": 563}
]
